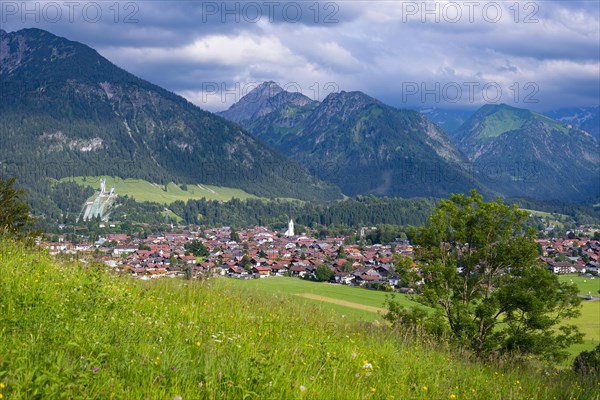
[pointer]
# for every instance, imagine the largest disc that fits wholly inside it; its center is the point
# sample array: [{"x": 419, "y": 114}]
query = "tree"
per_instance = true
[
  {"x": 15, "y": 220},
  {"x": 478, "y": 269},
  {"x": 341, "y": 253},
  {"x": 234, "y": 236},
  {"x": 323, "y": 273},
  {"x": 197, "y": 248},
  {"x": 245, "y": 263}
]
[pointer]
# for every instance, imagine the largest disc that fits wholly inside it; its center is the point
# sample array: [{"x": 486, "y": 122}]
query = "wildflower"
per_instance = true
[
  {"x": 173, "y": 368},
  {"x": 373, "y": 390},
  {"x": 177, "y": 398},
  {"x": 198, "y": 343},
  {"x": 368, "y": 366},
  {"x": 302, "y": 388},
  {"x": 95, "y": 369},
  {"x": 424, "y": 388},
  {"x": 2, "y": 385},
  {"x": 452, "y": 396},
  {"x": 1, "y": 395}
]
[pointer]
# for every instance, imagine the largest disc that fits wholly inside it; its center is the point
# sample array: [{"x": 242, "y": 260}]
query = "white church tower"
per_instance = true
[{"x": 290, "y": 229}]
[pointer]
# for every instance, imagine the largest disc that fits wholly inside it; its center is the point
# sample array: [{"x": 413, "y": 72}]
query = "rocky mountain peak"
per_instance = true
[{"x": 263, "y": 100}]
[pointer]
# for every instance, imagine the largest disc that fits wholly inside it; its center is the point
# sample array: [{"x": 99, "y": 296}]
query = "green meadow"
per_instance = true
[
  {"x": 142, "y": 190},
  {"x": 276, "y": 285},
  {"x": 77, "y": 331},
  {"x": 588, "y": 322},
  {"x": 587, "y": 286},
  {"x": 551, "y": 218}
]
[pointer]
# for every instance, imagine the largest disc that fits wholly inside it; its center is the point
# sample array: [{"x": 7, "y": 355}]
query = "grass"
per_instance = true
[
  {"x": 295, "y": 286},
  {"x": 587, "y": 286},
  {"x": 500, "y": 122},
  {"x": 75, "y": 331},
  {"x": 142, "y": 190},
  {"x": 551, "y": 218},
  {"x": 588, "y": 322}
]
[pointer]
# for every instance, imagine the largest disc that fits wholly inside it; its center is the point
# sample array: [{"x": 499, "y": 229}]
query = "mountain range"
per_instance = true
[
  {"x": 522, "y": 153},
  {"x": 367, "y": 147},
  {"x": 356, "y": 142},
  {"x": 67, "y": 111}
]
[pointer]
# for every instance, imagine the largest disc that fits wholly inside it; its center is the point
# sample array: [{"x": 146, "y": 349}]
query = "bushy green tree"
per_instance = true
[
  {"x": 234, "y": 235},
  {"x": 323, "y": 273},
  {"x": 197, "y": 248},
  {"x": 476, "y": 266},
  {"x": 15, "y": 220}
]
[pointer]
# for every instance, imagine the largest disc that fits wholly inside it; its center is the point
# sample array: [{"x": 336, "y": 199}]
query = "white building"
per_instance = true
[{"x": 290, "y": 229}]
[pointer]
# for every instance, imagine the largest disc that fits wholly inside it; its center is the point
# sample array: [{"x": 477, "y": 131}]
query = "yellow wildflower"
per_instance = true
[{"x": 424, "y": 388}]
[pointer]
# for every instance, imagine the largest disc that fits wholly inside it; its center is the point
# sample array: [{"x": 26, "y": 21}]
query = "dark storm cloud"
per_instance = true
[{"x": 384, "y": 48}]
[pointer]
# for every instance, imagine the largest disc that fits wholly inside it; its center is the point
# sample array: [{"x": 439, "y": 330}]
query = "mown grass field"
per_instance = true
[
  {"x": 142, "y": 190},
  {"x": 295, "y": 286},
  {"x": 76, "y": 331},
  {"x": 589, "y": 321},
  {"x": 587, "y": 286}
]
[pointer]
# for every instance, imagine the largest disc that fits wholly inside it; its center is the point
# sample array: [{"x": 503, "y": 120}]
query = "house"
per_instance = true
[
  {"x": 261, "y": 272},
  {"x": 561, "y": 267},
  {"x": 342, "y": 277},
  {"x": 393, "y": 280},
  {"x": 362, "y": 280},
  {"x": 236, "y": 272},
  {"x": 298, "y": 271},
  {"x": 124, "y": 249},
  {"x": 188, "y": 259},
  {"x": 384, "y": 270},
  {"x": 278, "y": 269}
]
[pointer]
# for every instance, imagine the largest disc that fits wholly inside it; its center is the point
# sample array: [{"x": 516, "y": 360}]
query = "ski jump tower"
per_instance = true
[{"x": 100, "y": 205}]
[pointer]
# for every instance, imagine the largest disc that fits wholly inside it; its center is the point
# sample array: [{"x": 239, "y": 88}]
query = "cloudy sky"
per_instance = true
[{"x": 540, "y": 55}]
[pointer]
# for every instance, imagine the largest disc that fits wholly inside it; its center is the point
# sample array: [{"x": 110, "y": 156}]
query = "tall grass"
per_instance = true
[{"x": 76, "y": 331}]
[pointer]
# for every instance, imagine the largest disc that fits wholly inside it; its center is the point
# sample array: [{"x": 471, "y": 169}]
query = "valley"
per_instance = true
[{"x": 166, "y": 234}]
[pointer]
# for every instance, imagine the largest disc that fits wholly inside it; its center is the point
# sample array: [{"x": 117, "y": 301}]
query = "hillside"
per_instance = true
[
  {"x": 356, "y": 142},
  {"x": 142, "y": 190},
  {"x": 521, "y": 153},
  {"x": 67, "y": 111},
  {"x": 77, "y": 331}
]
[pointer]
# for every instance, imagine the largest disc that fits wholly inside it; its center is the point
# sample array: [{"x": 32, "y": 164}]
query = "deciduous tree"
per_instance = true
[{"x": 477, "y": 267}]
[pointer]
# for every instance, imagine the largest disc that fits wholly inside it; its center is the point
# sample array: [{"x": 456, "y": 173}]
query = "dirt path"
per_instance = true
[{"x": 342, "y": 303}]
